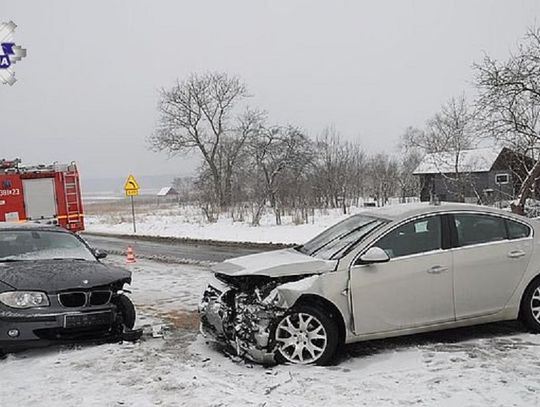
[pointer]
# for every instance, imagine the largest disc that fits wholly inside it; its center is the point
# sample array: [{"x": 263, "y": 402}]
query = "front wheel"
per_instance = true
[
  {"x": 126, "y": 309},
  {"x": 306, "y": 335}
]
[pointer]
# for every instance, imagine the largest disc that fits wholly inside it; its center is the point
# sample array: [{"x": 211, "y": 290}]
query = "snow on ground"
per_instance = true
[
  {"x": 495, "y": 372},
  {"x": 167, "y": 286},
  {"x": 494, "y": 365},
  {"x": 188, "y": 222}
]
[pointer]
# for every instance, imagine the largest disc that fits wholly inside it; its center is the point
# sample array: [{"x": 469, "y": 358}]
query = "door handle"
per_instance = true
[
  {"x": 514, "y": 254},
  {"x": 437, "y": 269}
]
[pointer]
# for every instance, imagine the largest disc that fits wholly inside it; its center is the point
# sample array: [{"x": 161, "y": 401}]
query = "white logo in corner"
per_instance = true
[{"x": 10, "y": 53}]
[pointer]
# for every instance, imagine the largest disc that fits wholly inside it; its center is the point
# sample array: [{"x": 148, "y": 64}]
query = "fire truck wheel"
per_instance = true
[{"x": 127, "y": 309}]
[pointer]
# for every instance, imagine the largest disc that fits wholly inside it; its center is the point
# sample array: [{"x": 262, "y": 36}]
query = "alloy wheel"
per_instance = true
[
  {"x": 301, "y": 338},
  {"x": 535, "y": 304}
]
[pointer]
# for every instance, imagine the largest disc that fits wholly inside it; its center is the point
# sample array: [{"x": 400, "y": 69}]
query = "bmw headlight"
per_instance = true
[{"x": 24, "y": 299}]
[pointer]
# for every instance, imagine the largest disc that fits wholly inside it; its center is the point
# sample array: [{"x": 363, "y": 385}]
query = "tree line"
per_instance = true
[{"x": 249, "y": 162}]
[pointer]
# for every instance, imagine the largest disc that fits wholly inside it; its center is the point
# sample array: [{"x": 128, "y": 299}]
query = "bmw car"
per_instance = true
[
  {"x": 54, "y": 288},
  {"x": 381, "y": 273}
]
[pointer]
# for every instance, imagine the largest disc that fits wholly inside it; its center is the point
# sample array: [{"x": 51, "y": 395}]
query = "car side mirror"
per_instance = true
[
  {"x": 100, "y": 254},
  {"x": 374, "y": 255}
]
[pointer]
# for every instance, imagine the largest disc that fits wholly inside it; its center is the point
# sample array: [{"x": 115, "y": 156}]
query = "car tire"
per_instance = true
[
  {"x": 529, "y": 312},
  {"x": 126, "y": 309},
  {"x": 306, "y": 335}
]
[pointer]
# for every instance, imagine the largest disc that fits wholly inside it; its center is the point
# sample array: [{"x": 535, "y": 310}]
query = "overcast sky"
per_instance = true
[{"x": 88, "y": 89}]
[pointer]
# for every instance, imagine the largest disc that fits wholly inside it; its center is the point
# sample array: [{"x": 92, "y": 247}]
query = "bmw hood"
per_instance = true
[
  {"x": 278, "y": 263},
  {"x": 54, "y": 276}
]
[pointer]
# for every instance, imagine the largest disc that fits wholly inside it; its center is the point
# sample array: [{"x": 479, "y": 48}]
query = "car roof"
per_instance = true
[{"x": 404, "y": 211}]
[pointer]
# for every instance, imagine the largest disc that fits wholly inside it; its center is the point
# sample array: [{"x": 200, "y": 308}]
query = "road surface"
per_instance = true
[{"x": 171, "y": 249}]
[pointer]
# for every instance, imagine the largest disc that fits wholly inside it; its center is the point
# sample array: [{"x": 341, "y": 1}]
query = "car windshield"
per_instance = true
[
  {"x": 23, "y": 245},
  {"x": 335, "y": 241}
]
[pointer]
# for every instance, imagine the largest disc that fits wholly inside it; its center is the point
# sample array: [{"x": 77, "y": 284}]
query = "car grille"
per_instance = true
[
  {"x": 71, "y": 300},
  {"x": 81, "y": 299},
  {"x": 100, "y": 297}
]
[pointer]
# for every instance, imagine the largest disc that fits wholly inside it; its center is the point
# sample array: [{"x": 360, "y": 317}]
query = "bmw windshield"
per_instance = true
[
  {"x": 20, "y": 245},
  {"x": 336, "y": 241}
]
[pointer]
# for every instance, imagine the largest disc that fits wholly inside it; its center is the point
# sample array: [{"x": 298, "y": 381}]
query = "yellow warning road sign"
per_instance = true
[{"x": 131, "y": 186}]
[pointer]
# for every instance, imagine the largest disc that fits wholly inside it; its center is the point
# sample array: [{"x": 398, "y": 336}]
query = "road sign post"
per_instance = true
[
  {"x": 133, "y": 214},
  {"x": 132, "y": 189}
]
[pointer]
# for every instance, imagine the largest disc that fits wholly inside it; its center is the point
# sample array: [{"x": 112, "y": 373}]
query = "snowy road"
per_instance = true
[
  {"x": 171, "y": 249},
  {"x": 496, "y": 365}
]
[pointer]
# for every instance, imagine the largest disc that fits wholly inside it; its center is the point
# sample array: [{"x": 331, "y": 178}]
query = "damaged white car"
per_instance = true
[{"x": 382, "y": 273}]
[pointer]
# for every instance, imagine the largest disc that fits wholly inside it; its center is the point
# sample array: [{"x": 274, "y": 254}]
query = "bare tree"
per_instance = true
[
  {"x": 198, "y": 113},
  {"x": 509, "y": 99},
  {"x": 234, "y": 150},
  {"x": 382, "y": 173},
  {"x": 337, "y": 168},
  {"x": 205, "y": 195},
  {"x": 278, "y": 151},
  {"x": 185, "y": 188},
  {"x": 409, "y": 183}
]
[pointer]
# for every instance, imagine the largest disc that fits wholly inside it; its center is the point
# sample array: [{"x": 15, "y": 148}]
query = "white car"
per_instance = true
[{"x": 386, "y": 272}]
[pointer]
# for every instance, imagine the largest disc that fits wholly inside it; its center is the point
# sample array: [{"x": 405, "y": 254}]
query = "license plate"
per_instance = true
[{"x": 86, "y": 320}]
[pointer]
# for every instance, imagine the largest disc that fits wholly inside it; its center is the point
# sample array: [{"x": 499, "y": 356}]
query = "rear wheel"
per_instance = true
[
  {"x": 530, "y": 306},
  {"x": 126, "y": 309},
  {"x": 306, "y": 335}
]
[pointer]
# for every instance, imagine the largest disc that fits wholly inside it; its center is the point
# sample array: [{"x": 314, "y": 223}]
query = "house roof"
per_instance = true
[
  {"x": 167, "y": 191},
  {"x": 477, "y": 160}
]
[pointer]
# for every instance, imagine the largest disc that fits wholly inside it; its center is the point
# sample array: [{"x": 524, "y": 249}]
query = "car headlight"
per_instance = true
[{"x": 24, "y": 299}]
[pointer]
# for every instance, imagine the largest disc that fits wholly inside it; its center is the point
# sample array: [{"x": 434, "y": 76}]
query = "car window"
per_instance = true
[
  {"x": 417, "y": 236},
  {"x": 41, "y": 245},
  {"x": 476, "y": 229},
  {"x": 335, "y": 241},
  {"x": 517, "y": 230}
]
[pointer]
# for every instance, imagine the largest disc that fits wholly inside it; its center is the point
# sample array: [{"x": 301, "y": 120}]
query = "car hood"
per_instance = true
[
  {"x": 55, "y": 275},
  {"x": 277, "y": 263}
]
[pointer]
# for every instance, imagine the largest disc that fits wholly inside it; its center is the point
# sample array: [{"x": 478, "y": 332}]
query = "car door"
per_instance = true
[
  {"x": 412, "y": 289},
  {"x": 490, "y": 259}
]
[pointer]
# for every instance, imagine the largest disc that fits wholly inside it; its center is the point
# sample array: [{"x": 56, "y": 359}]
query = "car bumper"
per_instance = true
[
  {"x": 20, "y": 329},
  {"x": 225, "y": 324},
  {"x": 256, "y": 355}
]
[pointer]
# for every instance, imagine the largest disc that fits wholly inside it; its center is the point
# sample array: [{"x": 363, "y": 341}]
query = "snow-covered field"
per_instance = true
[
  {"x": 190, "y": 223},
  {"x": 496, "y": 365}
]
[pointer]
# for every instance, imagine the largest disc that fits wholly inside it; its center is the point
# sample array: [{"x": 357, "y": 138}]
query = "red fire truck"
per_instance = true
[{"x": 49, "y": 194}]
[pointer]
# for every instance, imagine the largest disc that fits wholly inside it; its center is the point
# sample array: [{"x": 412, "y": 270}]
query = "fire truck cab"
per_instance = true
[{"x": 48, "y": 194}]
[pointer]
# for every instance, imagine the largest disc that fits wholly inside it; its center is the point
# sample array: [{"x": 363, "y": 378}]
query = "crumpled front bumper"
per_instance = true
[{"x": 245, "y": 330}]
